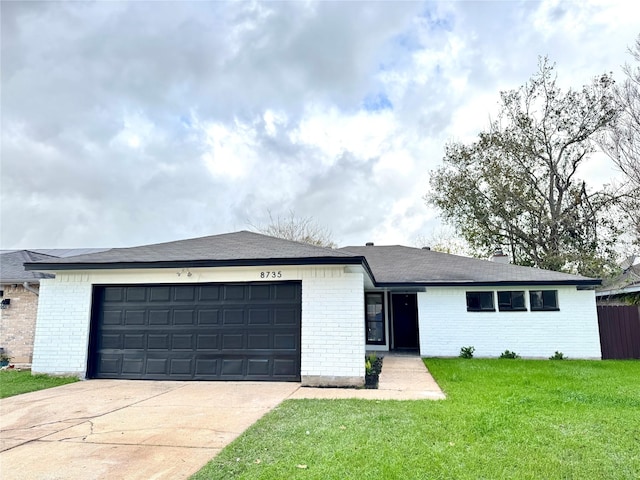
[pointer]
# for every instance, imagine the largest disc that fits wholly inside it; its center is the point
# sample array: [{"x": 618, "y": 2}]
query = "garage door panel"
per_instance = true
[
  {"x": 134, "y": 341},
  {"x": 112, "y": 317},
  {"x": 285, "y": 316},
  {"x": 209, "y": 293},
  {"x": 285, "y": 342},
  {"x": 208, "y": 342},
  {"x": 158, "y": 341},
  {"x": 232, "y": 367},
  {"x": 208, "y": 317},
  {"x": 183, "y": 317},
  {"x": 185, "y": 293},
  {"x": 182, "y": 342},
  {"x": 159, "y": 294},
  {"x": 233, "y": 317},
  {"x": 258, "y": 367},
  {"x": 159, "y": 317},
  {"x": 136, "y": 294},
  {"x": 259, "y": 341},
  {"x": 283, "y": 367},
  {"x": 113, "y": 294},
  {"x": 200, "y": 331},
  {"x": 259, "y": 316},
  {"x": 134, "y": 317}
]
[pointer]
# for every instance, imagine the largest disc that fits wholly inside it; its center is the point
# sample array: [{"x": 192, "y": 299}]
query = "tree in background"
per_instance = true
[
  {"x": 298, "y": 229},
  {"x": 622, "y": 142},
  {"x": 445, "y": 240},
  {"x": 517, "y": 188}
]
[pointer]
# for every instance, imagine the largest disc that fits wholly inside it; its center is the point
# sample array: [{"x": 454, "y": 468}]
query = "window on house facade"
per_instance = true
[
  {"x": 511, "y": 301},
  {"x": 480, "y": 302},
  {"x": 543, "y": 300},
  {"x": 374, "y": 318}
]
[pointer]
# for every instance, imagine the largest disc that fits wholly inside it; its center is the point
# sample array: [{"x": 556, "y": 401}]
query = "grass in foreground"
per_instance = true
[
  {"x": 506, "y": 419},
  {"x": 14, "y": 382}
]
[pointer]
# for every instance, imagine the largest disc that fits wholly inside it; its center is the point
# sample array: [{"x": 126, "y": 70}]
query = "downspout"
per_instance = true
[{"x": 30, "y": 289}]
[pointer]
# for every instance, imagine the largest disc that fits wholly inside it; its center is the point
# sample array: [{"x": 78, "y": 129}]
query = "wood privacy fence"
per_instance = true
[{"x": 619, "y": 331}]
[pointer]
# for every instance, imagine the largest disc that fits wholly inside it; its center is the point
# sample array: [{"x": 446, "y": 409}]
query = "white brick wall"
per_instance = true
[
  {"x": 446, "y": 326},
  {"x": 62, "y": 328},
  {"x": 332, "y": 341}
]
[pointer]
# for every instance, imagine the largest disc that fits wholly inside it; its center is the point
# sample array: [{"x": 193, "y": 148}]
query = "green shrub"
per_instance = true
[
  {"x": 467, "y": 352},
  {"x": 508, "y": 354},
  {"x": 557, "y": 356}
]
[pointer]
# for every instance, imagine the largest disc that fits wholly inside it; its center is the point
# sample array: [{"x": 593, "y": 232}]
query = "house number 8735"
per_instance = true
[{"x": 277, "y": 274}]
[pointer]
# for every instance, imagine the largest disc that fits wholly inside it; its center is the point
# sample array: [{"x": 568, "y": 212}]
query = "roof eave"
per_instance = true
[
  {"x": 504, "y": 283},
  {"x": 261, "y": 262}
]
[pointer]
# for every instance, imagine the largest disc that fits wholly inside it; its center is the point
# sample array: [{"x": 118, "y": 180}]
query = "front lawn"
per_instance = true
[
  {"x": 14, "y": 382},
  {"x": 508, "y": 419}
]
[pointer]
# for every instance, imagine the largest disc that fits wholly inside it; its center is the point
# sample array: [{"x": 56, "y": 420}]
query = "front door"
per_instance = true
[{"x": 404, "y": 308}]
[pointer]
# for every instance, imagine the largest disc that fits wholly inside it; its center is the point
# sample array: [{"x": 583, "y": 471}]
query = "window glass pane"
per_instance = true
[
  {"x": 504, "y": 300},
  {"x": 486, "y": 300},
  {"x": 480, "y": 301},
  {"x": 535, "y": 298},
  {"x": 550, "y": 299},
  {"x": 374, "y": 318},
  {"x": 517, "y": 300}
]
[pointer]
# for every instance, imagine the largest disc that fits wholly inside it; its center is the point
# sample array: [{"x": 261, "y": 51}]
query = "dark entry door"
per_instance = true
[
  {"x": 404, "y": 308},
  {"x": 230, "y": 331}
]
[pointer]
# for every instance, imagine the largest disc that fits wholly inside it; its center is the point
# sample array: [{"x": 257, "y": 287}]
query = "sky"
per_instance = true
[{"x": 129, "y": 123}]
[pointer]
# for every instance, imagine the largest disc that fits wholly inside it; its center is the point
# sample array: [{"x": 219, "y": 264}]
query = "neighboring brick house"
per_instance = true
[
  {"x": 245, "y": 306},
  {"x": 19, "y": 297}
]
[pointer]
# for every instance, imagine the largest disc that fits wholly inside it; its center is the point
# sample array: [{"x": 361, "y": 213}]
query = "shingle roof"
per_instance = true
[
  {"x": 60, "y": 252},
  {"x": 404, "y": 265},
  {"x": 389, "y": 265},
  {"x": 214, "y": 249},
  {"x": 12, "y": 269}
]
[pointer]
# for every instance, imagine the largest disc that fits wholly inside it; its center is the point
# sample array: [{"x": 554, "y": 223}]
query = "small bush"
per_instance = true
[
  {"x": 467, "y": 352},
  {"x": 557, "y": 356},
  {"x": 508, "y": 354},
  {"x": 373, "y": 364}
]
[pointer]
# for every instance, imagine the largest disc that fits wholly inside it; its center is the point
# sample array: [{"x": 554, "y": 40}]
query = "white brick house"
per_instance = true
[{"x": 244, "y": 306}]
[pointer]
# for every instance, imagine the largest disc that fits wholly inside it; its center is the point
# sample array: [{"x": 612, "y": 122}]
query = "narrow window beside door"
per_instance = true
[{"x": 374, "y": 318}]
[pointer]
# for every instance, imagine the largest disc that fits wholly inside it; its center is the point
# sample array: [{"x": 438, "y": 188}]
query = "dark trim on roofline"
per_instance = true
[
  {"x": 261, "y": 262},
  {"x": 503, "y": 283},
  {"x": 353, "y": 260}
]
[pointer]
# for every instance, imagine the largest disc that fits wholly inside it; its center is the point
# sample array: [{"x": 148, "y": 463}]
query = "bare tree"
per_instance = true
[
  {"x": 622, "y": 143},
  {"x": 445, "y": 240},
  {"x": 298, "y": 229}
]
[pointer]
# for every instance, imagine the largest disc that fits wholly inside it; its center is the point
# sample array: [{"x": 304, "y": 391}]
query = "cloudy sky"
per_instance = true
[{"x": 125, "y": 123}]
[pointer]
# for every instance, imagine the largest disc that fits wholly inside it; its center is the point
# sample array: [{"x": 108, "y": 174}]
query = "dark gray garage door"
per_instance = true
[{"x": 239, "y": 331}]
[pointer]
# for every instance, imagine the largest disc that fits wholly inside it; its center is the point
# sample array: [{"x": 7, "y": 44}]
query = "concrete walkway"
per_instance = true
[
  {"x": 403, "y": 377},
  {"x": 123, "y": 429}
]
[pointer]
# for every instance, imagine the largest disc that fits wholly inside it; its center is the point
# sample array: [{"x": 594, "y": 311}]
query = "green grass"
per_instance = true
[
  {"x": 13, "y": 382},
  {"x": 503, "y": 419}
]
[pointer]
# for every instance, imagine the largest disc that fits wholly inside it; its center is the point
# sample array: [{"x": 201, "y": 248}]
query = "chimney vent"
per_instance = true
[
  {"x": 498, "y": 256},
  {"x": 369, "y": 244}
]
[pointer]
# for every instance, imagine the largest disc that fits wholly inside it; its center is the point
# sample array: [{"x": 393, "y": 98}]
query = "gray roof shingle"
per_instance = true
[
  {"x": 389, "y": 265},
  {"x": 396, "y": 264},
  {"x": 236, "y": 246},
  {"x": 12, "y": 266}
]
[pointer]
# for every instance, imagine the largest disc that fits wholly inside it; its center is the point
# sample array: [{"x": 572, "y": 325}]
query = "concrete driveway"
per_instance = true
[{"x": 120, "y": 429}]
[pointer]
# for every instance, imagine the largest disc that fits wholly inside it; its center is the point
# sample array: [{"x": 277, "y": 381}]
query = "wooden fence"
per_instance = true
[{"x": 619, "y": 331}]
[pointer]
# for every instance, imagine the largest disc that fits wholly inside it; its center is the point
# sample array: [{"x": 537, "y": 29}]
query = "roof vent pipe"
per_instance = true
[
  {"x": 426, "y": 248},
  {"x": 369, "y": 244}
]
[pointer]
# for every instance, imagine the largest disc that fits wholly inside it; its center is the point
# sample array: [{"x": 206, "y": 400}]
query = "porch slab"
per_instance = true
[{"x": 403, "y": 377}]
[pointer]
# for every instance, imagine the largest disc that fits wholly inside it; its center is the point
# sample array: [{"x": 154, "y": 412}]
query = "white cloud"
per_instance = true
[{"x": 125, "y": 123}]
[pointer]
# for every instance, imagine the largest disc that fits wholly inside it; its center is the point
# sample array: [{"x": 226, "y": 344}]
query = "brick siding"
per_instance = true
[{"x": 18, "y": 323}]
